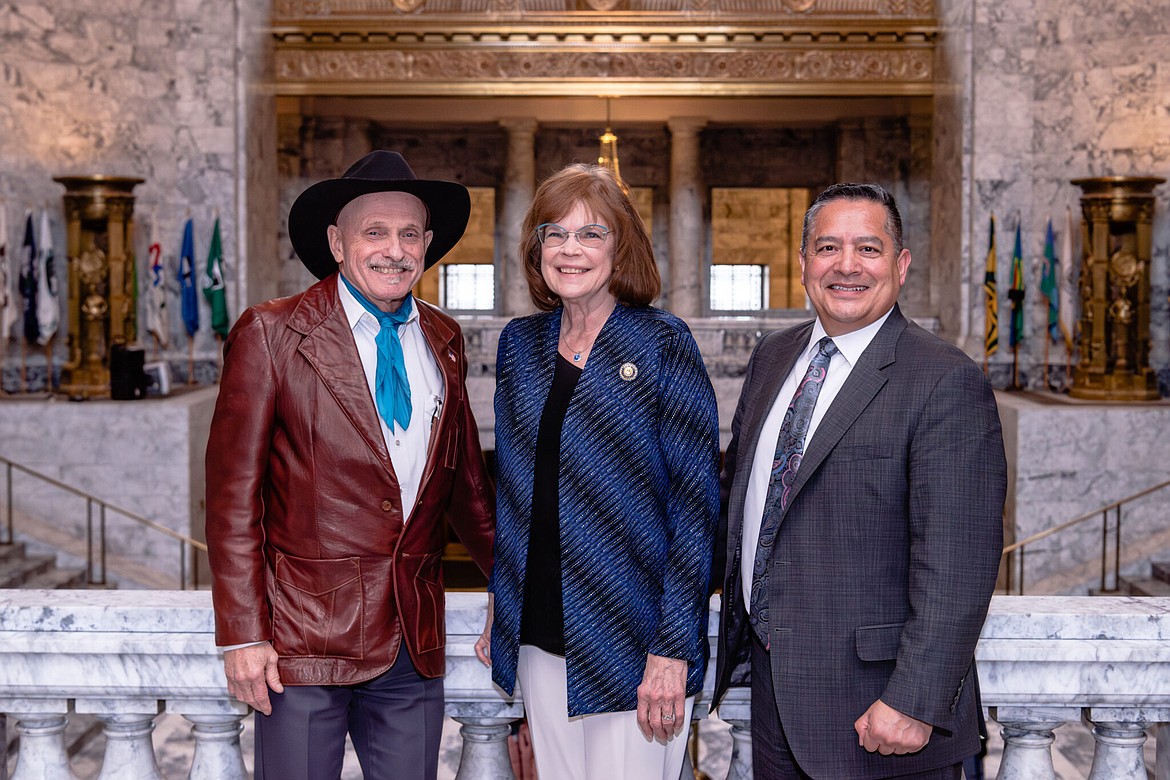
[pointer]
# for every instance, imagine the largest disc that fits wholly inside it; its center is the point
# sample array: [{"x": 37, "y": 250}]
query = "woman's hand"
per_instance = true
[
  {"x": 483, "y": 645},
  {"x": 662, "y": 697}
]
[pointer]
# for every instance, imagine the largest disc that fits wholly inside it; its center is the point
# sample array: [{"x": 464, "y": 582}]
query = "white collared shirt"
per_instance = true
[
  {"x": 408, "y": 448},
  {"x": 849, "y": 349}
]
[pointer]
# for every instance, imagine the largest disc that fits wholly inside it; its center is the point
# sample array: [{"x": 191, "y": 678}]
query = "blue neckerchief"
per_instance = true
[{"x": 391, "y": 385}]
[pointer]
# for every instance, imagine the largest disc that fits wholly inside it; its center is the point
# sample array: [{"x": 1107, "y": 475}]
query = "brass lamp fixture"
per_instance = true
[{"x": 608, "y": 157}]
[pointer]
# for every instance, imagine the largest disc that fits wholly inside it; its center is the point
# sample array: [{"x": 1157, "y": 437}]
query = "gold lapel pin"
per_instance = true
[{"x": 628, "y": 372}]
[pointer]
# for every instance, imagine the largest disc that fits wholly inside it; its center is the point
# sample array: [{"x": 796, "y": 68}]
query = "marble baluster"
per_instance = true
[
  {"x": 217, "y": 747},
  {"x": 1027, "y": 749},
  {"x": 740, "y": 767},
  {"x": 42, "y": 746},
  {"x": 485, "y": 749},
  {"x": 1119, "y": 751},
  {"x": 129, "y": 749}
]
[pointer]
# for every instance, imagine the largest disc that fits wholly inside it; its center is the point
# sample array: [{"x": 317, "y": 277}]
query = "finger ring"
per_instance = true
[{"x": 668, "y": 717}]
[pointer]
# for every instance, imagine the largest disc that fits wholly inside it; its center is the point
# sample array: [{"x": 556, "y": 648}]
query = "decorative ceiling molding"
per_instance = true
[{"x": 833, "y": 47}]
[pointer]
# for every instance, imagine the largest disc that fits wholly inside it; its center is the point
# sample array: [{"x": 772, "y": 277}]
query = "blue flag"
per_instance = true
[{"x": 187, "y": 292}]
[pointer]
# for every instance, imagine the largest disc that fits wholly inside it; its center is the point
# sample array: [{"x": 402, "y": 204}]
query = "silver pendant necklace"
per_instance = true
[{"x": 576, "y": 352}]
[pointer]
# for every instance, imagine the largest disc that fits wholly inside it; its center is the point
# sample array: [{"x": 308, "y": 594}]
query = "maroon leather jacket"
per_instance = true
[{"x": 304, "y": 527}]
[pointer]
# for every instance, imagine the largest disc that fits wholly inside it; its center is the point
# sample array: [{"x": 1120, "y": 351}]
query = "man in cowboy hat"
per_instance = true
[{"x": 342, "y": 442}]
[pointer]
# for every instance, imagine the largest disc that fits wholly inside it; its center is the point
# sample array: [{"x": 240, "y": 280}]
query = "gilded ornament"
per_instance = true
[
  {"x": 1121, "y": 310},
  {"x": 1124, "y": 265}
]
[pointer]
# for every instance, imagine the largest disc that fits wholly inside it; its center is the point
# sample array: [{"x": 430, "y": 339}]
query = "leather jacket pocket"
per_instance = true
[
  {"x": 319, "y": 610},
  {"x": 431, "y": 616}
]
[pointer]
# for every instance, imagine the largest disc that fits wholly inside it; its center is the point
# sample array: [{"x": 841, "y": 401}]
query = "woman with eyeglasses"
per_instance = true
[{"x": 607, "y": 447}]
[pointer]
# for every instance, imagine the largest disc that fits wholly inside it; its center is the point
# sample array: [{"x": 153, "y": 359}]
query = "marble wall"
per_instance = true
[
  {"x": 145, "y": 457},
  {"x": 1035, "y": 93},
  {"x": 173, "y": 91}
]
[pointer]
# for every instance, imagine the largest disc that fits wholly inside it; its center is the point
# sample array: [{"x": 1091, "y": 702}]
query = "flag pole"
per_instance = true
[
  {"x": 1047, "y": 372},
  {"x": 1016, "y": 367},
  {"x": 190, "y": 360},
  {"x": 49, "y": 366}
]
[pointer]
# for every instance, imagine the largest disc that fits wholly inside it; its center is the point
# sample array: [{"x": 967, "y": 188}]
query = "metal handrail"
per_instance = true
[
  {"x": 96, "y": 559},
  {"x": 1009, "y": 552}
]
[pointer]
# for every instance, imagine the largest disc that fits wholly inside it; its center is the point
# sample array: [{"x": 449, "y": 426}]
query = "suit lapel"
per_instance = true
[
  {"x": 777, "y": 365},
  {"x": 865, "y": 380},
  {"x": 441, "y": 339},
  {"x": 772, "y": 364},
  {"x": 327, "y": 344}
]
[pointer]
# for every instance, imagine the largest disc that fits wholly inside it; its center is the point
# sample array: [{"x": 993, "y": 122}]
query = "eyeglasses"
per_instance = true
[{"x": 553, "y": 235}]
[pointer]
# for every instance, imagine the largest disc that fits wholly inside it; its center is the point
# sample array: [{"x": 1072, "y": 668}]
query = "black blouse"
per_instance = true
[{"x": 543, "y": 622}]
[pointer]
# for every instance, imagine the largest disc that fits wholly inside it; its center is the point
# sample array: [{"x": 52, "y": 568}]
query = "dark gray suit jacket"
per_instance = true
[{"x": 886, "y": 556}]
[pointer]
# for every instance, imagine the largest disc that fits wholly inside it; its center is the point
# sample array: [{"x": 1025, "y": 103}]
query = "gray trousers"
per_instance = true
[{"x": 395, "y": 722}]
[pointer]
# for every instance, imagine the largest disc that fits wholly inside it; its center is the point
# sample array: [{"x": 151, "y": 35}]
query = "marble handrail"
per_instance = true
[{"x": 125, "y": 656}]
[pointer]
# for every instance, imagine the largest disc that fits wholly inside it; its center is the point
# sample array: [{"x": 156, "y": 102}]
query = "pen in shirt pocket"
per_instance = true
[{"x": 438, "y": 409}]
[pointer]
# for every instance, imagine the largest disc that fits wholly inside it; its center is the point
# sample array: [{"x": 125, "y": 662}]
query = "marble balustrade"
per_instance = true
[{"x": 126, "y": 656}]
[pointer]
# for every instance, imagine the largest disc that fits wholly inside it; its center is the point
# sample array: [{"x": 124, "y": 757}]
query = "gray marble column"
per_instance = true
[
  {"x": 129, "y": 749},
  {"x": 1027, "y": 750},
  {"x": 217, "y": 747},
  {"x": 42, "y": 747},
  {"x": 740, "y": 767},
  {"x": 519, "y": 187},
  {"x": 687, "y": 233},
  {"x": 1119, "y": 752},
  {"x": 485, "y": 749}
]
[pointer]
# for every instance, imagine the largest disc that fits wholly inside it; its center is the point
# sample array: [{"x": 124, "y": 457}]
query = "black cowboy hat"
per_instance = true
[{"x": 448, "y": 206}]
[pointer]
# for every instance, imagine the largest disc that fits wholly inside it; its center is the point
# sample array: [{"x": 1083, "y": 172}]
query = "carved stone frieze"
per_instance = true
[
  {"x": 680, "y": 46},
  {"x": 474, "y": 68},
  {"x": 300, "y": 9}
]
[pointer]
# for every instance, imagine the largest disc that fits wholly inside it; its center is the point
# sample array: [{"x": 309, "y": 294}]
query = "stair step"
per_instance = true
[
  {"x": 1148, "y": 586},
  {"x": 15, "y": 572},
  {"x": 1161, "y": 570},
  {"x": 11, "y": 551},
  {"x": 56, "y": 579}
]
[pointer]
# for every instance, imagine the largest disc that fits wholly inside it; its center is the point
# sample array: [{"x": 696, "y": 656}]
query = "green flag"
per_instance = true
[{"x": 213, "y": 288}]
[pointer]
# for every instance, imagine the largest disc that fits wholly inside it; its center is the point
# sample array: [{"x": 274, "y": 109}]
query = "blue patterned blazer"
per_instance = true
[{"x": 639, "y": 501}]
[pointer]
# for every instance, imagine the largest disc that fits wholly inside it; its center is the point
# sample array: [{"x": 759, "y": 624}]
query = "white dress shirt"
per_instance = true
[
  {"x": 408, "y": 448},
  {"x": 849, "y": 349}
]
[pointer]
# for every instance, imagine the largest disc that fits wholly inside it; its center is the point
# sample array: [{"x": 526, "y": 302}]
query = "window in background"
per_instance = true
[
  {"x": 467, "y": 286},
  {"x": 470, "y": 286},
  {"x": 755, "y": 248},
  {"x": 739, "y": 287}
]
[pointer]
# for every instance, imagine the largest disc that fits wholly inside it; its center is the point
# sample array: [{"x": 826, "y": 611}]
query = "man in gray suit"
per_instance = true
[{"x": 863, "y": 489}]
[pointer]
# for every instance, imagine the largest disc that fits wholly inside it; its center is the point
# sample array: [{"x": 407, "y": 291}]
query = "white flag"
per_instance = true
[
  {"x": 156, "y": 289},
  {"x": 1068, "y": 298},
  {"x": 48, "y": 304},
  {"x": 7, "y": 301}
]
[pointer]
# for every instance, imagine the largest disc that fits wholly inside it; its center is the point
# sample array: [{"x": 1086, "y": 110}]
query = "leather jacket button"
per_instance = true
[{"x": 387, "y": 505}]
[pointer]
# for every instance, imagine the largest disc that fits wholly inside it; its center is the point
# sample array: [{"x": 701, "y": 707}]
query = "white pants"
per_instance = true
[{"x": 606, "y": 746}]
